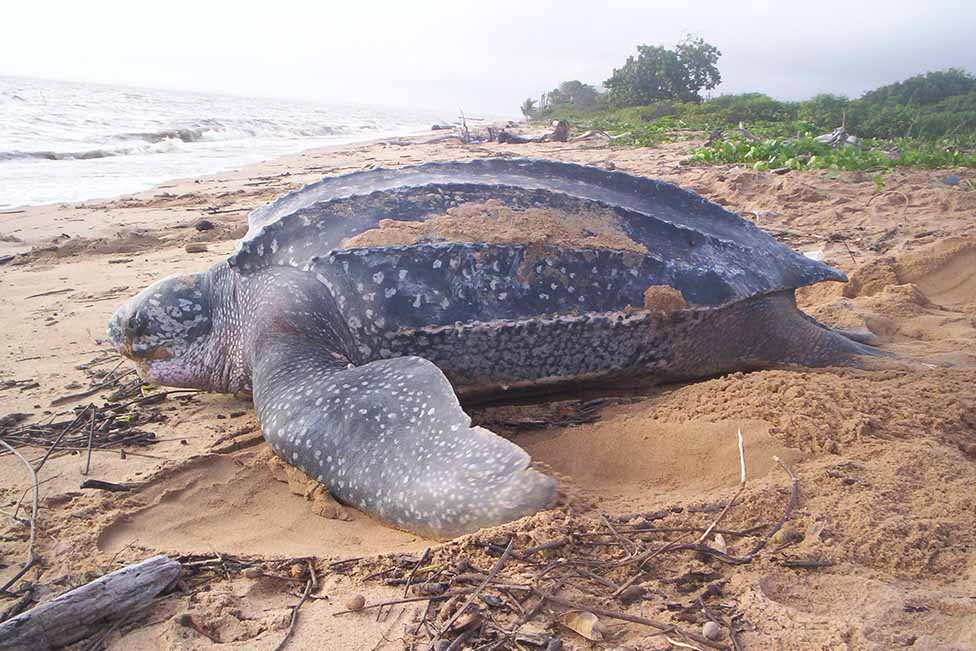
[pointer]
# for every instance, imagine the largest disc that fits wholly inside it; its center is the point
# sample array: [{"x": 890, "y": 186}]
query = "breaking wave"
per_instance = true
[
  {"x": 162, "y": 146},
  {"x": 66, "y": 141},
  {"x": 217, "y": 130}
]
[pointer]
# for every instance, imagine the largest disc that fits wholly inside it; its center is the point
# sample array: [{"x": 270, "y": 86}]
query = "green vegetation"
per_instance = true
[
  {"x": 925, "y": 121},
  {"x": 661, "y": 74},
  {"x": 806, "y": 153}
]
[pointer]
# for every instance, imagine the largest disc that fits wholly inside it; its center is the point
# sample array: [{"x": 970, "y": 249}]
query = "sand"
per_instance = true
[
  {"x": 493, "y": 223},
  {"x": 886, "y": 459}
]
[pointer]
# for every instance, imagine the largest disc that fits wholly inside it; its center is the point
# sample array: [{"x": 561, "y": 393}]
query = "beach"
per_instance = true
[{"x": 885, "y": 458}]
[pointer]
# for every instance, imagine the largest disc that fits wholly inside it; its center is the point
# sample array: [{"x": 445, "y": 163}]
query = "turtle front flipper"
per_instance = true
[{"x": 391, "y": 439}]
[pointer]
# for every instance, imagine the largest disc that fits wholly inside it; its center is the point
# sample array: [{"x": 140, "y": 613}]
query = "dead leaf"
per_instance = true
[
  {"x": 466, "y": 621},
  {"x": 720, "y": 543},
  {"x": 585, "y": 623}
]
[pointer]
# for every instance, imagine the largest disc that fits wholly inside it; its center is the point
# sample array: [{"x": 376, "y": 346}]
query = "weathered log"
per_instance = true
[
  {"x": 79, "y": 613},
  {"x": 560, "y": 131}
]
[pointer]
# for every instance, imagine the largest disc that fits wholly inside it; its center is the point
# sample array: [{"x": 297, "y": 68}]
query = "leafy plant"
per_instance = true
[
  {"x": 658, "y": 73},
  {"x": 807, "y": 153}
]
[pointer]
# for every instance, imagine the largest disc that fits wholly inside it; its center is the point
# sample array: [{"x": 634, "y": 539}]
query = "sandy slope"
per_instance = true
[{"x": 886, "y": 458}]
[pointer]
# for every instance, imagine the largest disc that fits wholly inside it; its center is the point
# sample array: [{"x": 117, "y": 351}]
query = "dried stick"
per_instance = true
[
  {"x": 790, "y": 505},
  {"x": 742, "y": 487},
  {"x": 33, "y": 519},
  {"x": 394, "y": 602},
  {"x": 423, "y": 559},
  {"x": 294, "y": 611},
  {"x": 758, "y": 547},
  {"x": 628, "y": 546},
  {"x": 383, "y": 638},
  {"x": 474, "y": 594},
  {"x": 57, "y": 441},
  {"x": 91, "y": 438},
  {"x": 674, "y": 546},
  {"x": 616, "y": 614},
  {"x": 737, "y": 533}
]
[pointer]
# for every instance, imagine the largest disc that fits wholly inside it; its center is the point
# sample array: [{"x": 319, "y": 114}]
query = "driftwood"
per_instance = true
[
  {"x": 80, "y": 613},
  {"x": 559, "y": 133},
  {"x": 838, "y": 137}
]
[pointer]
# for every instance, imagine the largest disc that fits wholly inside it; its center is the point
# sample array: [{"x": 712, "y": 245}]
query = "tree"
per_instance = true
[
  {"x": 580, "y": 95},
  {"x": 824, "y": 111},
  {"x": 930, "y": 88},
  {"x": 700, "y": 61},
  {"x": 573, "y": 94},
  {"x": 659, "y": 73},
  {"x": 528, "y": 107}
]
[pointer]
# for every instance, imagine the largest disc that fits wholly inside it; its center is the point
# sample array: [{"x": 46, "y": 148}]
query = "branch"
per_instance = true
[{"x": 33, "y": 519}]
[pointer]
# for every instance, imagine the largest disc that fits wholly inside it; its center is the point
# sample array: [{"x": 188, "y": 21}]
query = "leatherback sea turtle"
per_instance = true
[{"x": 353, "y": 346}]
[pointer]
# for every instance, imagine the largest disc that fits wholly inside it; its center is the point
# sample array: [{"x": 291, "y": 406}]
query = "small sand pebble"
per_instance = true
[
  {"x": 195, "y": 247},
  {"x": 712, "y": 631},
  {"x": 355, "y": 602},
  {"x": 786, "y": 535},
  {"x": 631, "y": 594}
]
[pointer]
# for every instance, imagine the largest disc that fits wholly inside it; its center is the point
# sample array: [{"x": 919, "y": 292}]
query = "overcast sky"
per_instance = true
[{"x": 483, "y": 56}]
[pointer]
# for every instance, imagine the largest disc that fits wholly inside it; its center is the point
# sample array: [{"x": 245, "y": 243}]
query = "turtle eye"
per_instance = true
[{"x": 135, "y": 327}]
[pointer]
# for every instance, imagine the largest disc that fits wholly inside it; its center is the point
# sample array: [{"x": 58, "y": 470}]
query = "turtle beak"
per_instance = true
[
  {"x": 119, "y": 331},
  {"x": 124, "y": 330}
]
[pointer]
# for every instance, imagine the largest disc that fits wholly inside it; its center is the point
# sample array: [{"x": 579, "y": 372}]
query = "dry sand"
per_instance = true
[{"x": 886, "y": 459}]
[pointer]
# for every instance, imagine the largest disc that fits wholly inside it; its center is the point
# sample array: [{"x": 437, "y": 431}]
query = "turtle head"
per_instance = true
[{"x": 166, "y": 330}]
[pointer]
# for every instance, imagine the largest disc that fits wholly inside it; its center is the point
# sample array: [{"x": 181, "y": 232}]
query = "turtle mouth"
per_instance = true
[{"x": 157, "y": 354}]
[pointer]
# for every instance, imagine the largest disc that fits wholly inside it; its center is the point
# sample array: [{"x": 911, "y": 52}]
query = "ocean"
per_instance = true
[{"x": 66, "y": 141}]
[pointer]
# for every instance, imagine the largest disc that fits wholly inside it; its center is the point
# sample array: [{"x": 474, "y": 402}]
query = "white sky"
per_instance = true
[{"x": 485, "y": 57}]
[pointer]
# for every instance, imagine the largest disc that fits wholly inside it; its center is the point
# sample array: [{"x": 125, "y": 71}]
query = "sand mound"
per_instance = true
[
  {"x": 494, "y": 223},
  {"x": 921, "y": 302}
]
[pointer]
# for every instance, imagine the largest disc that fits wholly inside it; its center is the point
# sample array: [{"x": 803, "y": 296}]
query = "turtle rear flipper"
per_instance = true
[{"x": 391, "y": 439}]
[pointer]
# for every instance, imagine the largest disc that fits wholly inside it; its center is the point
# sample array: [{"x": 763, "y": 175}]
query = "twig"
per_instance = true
[
  {"x": 751, "y": 531},
  {"x": 413, "y": 572},
  {"x": 33, "y": 520},
  {"x": 383, "y": 638},
  {"x": 628, "y": 546},
  {"x": 18, "y": 606},
  {"x": 57, "y": 441},
  {"x": 807, "y": 563},
  {"x": 105, "y": 486},
  {"x": 346, "y": 561},
  {"x": 790, "y": 505},
  {"x": 433, "y": 597},
  {"x": 91, "y": 438},
  {"x": 71, "y": 397},
  {"x": 758, "y": 547},
  {"x": 616, "y": 614},
  {"x": 460, "y": 640},
  {"x": 52, "y": 292},
  {"x": 294, "y": 611},
  {"x": 742, "y": 487},
  {"x": 474, "y": 594}
]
